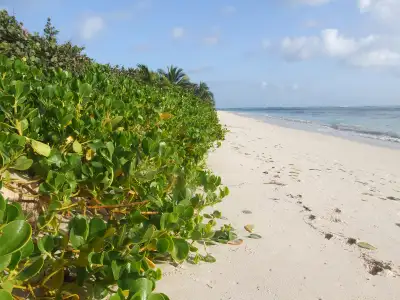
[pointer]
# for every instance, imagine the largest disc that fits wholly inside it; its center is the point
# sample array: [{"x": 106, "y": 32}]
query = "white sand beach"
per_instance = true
[{"x": 308, "y": 193}]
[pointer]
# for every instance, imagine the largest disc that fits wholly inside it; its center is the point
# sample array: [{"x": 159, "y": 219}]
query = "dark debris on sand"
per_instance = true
[{"x": 375, "y": 266}]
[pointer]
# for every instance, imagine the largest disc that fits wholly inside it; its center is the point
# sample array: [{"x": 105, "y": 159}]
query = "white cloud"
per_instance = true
[
  {"x": 178, "y": 32},
  {"x": 228, "y": 10},
  {"x": 301, "y": 48},
  {"x": 340, "y": 46},
  {"x": 92, "y": 26},
  {"x": 211, "y": 40},
  {"x": 372, "y": 51},
  {"x": 385, "y": 10},
  {"x": 377, "y": 58}
]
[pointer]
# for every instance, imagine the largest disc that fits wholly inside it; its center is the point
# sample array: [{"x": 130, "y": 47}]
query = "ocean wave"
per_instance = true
[
  {"x": 290, "y": 119},
  {"x": 356, "y": 130},
  {"x": 386, "y": 136}
]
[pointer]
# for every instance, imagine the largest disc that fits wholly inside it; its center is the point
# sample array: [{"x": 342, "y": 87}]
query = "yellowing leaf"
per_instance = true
[
  {"x": 69, "y": 140},
  {"x": 165, "y": 116},
  {"x": 366, "y": 246},
  {"x": 77, "y": 147},
  {"x": 41, "y": 148},
  {"x": 150, "y": 263},
  {"x": 118, "y": 172},
  {"x": 249, "y": 228},
  {"x": 89, "y": 154},
  {"x": 125, "y": 293}
]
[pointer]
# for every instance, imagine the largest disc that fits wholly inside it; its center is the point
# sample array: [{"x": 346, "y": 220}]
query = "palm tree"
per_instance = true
[
  {"x": 144, "y": 73},
  {"x": 203, "y": 92},
  {"x": 175, "y": 75}
]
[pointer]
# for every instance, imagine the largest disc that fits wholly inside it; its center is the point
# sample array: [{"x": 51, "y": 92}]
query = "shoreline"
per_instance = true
[
  {"x": 308, "y": 194},
  {"x": 313, "y": 126}
]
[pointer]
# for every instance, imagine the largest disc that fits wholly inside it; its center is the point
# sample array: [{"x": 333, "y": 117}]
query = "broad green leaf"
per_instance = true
[
  {"x": 188, "y": 212},
  {"x": 31, "y": 270},
  {"x": 66, "y": 120},
  {"x": 155, "y": 296},
  {"x": 76, "y": 240},
  {"x": 15, "y": 258},
  {"x": 19, "y": 89},
  {"x": 41, "y": 148},
  {"x": 27, "y": 250},
  {"x": 162, "y": 245},
  {"x": 55, "y": 281},
  {"x": 116, "y": 269},
  {"x": 22, "y": 163},
  {"x": 8, "y": 285},
  {"x": 116, "y": 121},
  {"x": 80, "y": 226},
  {"x": 14, "y": 236},
  {"x": 118, "y": 104},
  {"x": 97, "y": 228},
  {"x": 46, "y": 244},
  {"x": 7, "y": 98},
  {"x": 181, "y": 250},
  {"x": 12, "y": 213},
  {"x": 4, "y": 261},
  {"x": 110, "y": 232},
  {"x": 196, "y": 235},
  {"x": 4, "y": 295},
  {"x": 143, "y": 285},
  {"x": 85, "y": 90},
  {"x": 77, "y": 147},
  {"x": 136, "y": 217},
  {"x": 116, "y": 297},
  {"x": 96, "y": 258},
  {"x": 3, "y": 203}
]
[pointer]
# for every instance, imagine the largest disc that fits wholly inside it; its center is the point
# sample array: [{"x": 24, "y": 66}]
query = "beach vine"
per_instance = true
[{"x": 108, "y": 168}]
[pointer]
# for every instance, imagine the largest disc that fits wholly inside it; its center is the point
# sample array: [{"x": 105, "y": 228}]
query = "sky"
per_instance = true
[{"x": 253, "y": 53}]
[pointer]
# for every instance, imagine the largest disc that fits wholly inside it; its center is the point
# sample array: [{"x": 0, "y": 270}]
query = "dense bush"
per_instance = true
[
  {"x": 43, "y": 51},
  {"x": 110, "y": 175}
]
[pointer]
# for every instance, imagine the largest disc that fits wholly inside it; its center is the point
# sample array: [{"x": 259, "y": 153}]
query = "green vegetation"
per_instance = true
[{"x": 109, "y": 166}]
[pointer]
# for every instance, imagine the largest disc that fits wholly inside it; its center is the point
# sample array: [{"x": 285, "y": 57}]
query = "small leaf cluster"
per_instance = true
[{"x": 115, "y": 168}]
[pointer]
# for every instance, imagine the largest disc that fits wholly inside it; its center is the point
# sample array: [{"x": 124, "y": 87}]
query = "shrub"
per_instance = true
[
  {"x": 116, "y": 172},
  {"x": 41, "y": 51}
]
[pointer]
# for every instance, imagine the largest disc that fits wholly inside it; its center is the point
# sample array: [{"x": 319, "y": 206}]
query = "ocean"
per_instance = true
[{"x": 377, "y": 125}]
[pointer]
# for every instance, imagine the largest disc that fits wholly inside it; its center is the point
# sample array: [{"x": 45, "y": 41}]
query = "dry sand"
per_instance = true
[{"x": 299, "y": 187}]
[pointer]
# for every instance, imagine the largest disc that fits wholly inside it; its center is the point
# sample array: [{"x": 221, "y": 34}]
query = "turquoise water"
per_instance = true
[{"x": 375, "y": 123}]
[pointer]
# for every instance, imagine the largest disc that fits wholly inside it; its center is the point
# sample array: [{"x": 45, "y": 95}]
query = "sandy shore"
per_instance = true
[{"x": 308, "y": 194}]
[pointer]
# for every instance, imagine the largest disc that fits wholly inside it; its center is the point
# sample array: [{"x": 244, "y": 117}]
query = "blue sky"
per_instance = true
[{"x": 251, "y": 53}]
